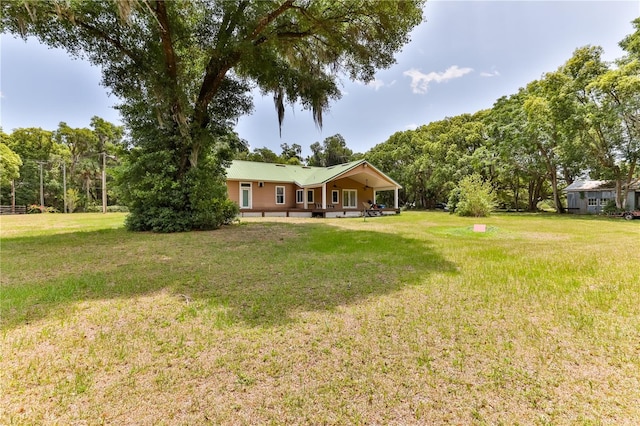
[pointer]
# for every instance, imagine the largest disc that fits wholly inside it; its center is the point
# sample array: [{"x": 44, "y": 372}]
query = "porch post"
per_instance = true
[
  {"x": 305, "y": 198},
  {"x": 395, "y": 198},
  {"x": 324, "y": 196}
]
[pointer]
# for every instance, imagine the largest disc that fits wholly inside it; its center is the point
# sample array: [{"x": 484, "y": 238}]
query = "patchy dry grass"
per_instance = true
[{"x": 412, "y": 319}]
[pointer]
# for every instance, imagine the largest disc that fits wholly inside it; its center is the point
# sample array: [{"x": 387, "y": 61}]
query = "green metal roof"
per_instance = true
[{"x": 300, "y": 175}]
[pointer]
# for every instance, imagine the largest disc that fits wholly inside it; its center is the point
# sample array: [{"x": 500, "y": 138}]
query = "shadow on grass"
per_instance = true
[{"x": 257, "y": 274}]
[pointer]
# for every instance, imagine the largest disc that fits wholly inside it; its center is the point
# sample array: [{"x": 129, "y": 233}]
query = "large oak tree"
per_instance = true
[{"x": 183, "y": 70}]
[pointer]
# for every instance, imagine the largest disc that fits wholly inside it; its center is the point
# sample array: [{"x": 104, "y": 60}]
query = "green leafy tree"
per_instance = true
[
  {"x": 316, "y": 158},
  {"x": 610, "y": 101},
  {"x": 292, "y": 154},
  {"x": 86, "y": 147},
  {"x": 110, "y": 137},
  {"x": 430, "y": 160},
  {"x": 394, "y": 157},
  {"x": 38, "y": 151},
  {"x": 521, "y": 173},
  {"x": 183, "y": 70},
  {"x": 550, "y": 110},
  {"x": 10, "y": 163},
  {"x": 261, "y": 155},
  {"x": 333, "y": 151},
  {"x": 80, "y": 143}
]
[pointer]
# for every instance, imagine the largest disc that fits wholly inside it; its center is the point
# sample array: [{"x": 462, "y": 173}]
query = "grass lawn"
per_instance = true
[{"x": 412, "y": 319}]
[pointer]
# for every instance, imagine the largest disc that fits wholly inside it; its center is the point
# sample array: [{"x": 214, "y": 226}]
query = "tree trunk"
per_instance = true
[
  {"x": 622, "y": 190},
  {"x": 87, "y": 185},
  {"x": 552, "y": 170},
  {"x": 556, "y": 193},
  {"x": 533, "y": 195},
  {"x": 535, "y": 188}
]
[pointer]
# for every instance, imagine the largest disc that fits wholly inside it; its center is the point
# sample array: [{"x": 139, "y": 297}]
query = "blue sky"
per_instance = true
[{"x": 461, "y": 60}]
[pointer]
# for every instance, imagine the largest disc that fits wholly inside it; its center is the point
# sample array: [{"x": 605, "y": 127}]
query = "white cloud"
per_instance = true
[
  {"x": 376, "y": 84},
  {"x": 490, "y": 74},
  {"x": 420, "y": 82}
]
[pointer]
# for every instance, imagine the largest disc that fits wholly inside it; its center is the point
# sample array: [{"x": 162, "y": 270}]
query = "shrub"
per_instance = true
[
  {"x": 73, "y": 199},
  {"x": 472, "y": 197},
  {"x": 35, "y": 208},
  {"x": 160, "y": 199},
  {"x": 117, "y": 209},
  {"x": 611, "y": 208},
  {"x": 93, "y": 208}
]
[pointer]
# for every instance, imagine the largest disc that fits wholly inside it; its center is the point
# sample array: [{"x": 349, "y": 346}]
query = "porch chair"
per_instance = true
[{"x": 368, "y": 210}]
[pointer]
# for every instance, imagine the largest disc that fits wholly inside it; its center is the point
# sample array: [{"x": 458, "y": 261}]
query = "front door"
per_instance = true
[{"x": 245, "y": 195}]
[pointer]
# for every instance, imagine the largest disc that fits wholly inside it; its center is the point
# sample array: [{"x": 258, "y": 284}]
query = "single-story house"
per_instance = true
[
  {"x": 267, "y": 189},
  {"x": 591, "y": 196}
]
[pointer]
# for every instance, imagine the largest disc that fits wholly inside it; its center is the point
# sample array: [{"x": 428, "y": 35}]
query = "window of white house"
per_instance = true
[
  {"x": 299, "y": 196},
  {"x": 279, "y": 194},
  {"x": 592, "y": 202},
  {"x": 335, "y": 197},
  {"x": 310, "y": 196},
  {"x": 604, "y": 201},
  {"x": 349, "y": 198}
]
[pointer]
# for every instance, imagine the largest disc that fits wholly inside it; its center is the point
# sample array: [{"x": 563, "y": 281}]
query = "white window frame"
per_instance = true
[
  {"x": 604, "y": 201},
  {"x": 299, "y": 196},
  {"x": 249, "y": 187},
  {"x": 279, "y": 187},
  {"x": 592, "y": 202},
  {"x": 310, "y": 196},
  {"x": 348, "y": 193},
  {"x": 335, "y": 196}
]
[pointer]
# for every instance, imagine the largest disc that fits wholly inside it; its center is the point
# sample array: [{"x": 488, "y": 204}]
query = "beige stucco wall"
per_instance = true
[{"x": 265, "y": 197}]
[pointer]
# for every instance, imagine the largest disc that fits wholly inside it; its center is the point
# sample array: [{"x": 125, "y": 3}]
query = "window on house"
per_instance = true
[
  {"x": 335, "y": 197},
  {"x": 604, "y": 201},
  {"x": 310, "y": 196},
  {"x": 349, "y": 198},
  {"x": 592, "y": 202},
  {"x": 279, "y": 194},
  {"x": 299, "y": 196}
]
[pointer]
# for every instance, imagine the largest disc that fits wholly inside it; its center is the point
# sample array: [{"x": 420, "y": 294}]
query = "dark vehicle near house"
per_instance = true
[{"x": 442, "y": 206}]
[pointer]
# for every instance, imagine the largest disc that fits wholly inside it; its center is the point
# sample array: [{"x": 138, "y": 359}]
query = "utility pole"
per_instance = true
[
  {"x": 104, "y": 182},
  {"x": 13, "y": 196},
  {"x": 40, "y": 163},
  {"x": 64, "y": 185}
]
